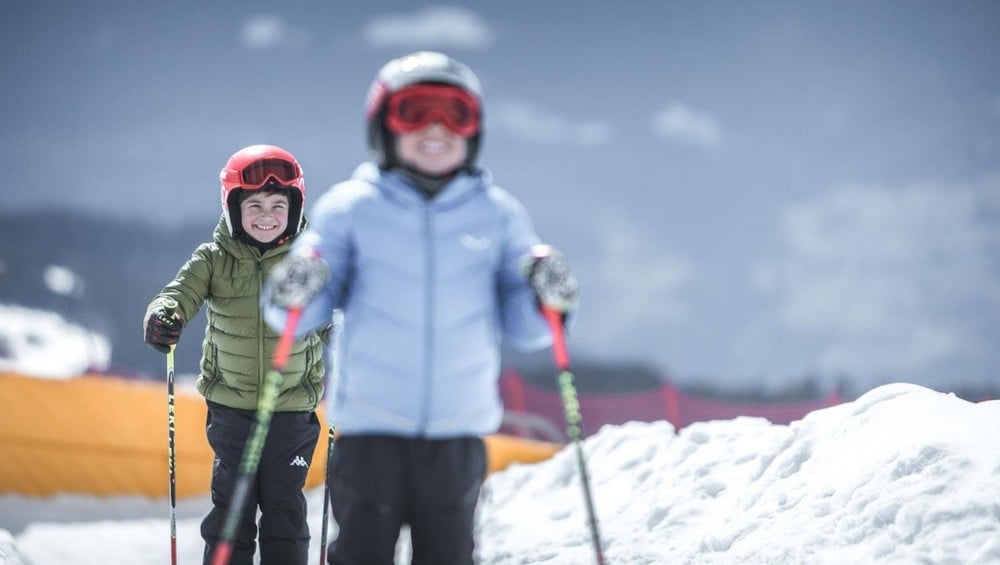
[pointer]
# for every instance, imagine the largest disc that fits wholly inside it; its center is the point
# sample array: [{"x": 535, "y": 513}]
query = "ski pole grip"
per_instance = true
[{"x": 169, "y": 306}]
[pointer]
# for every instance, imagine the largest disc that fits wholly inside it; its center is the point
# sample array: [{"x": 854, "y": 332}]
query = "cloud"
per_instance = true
[
  {"x": 901, "y": 282},
  {"x": 647, "y": 282},
  {"x": 682, "y": 124},
  {"x": 529, "y": 123},
  {"x": 266, "y": 31},
  {"x": 433, "y": 26}
]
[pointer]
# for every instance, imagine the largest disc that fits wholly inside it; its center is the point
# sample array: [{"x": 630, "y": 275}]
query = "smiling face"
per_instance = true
[
  {"x": 264, "y": 215},
  {"x": 434, "y": 150}
]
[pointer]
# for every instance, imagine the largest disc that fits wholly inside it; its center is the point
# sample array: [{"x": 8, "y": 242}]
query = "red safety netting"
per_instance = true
[{"x": 533, "y": 411}]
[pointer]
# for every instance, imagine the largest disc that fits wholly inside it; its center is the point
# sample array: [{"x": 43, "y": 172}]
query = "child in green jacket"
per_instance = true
[{"x": 263, "y": 197}]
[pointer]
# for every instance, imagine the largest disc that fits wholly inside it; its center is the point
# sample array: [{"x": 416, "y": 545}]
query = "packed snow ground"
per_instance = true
[{"x": 902, "y": 475}]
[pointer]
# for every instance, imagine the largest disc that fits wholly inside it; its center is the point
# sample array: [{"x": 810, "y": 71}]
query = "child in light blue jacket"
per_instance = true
[{"x": 432, "y": 265}]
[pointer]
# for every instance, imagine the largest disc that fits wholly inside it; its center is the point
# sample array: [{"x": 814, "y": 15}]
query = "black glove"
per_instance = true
[
  {"x": 551, "y": 279},
  {"x": 162, "y": 329},
  {"x": 297, "y": 279}
]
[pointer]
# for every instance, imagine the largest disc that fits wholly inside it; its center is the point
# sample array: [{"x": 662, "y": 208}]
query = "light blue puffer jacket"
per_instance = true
[{"x": 427, "y": 287}]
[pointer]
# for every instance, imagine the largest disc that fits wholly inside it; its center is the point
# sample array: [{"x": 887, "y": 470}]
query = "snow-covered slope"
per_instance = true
[{"x": 904, "y": 474}]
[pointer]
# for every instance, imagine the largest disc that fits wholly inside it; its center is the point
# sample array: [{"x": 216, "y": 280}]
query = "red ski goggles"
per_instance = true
[
  {"x": 258, "y": 173},
  {"x": 415, "y": 107}
]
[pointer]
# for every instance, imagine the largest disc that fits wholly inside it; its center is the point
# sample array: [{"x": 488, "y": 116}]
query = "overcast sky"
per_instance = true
[{"x": 750, "y": 192}]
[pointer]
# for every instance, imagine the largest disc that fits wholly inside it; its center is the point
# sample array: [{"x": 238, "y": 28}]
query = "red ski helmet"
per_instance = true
[
  {"x": 255, "y": 167},
  {"x": 423, "y": 67}
]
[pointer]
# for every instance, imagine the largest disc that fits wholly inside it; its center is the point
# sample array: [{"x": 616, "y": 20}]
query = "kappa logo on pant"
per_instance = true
[{"x": 299, "y": 461}]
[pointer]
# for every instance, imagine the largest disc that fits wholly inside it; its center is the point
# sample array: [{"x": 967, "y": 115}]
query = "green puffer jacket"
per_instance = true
[{"x": 228, "y": 275}]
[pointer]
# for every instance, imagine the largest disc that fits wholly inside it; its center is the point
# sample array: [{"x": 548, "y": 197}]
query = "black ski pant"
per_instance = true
[
  {"x": 379, "y": 483},
  {"x": 276, "y": 491}
]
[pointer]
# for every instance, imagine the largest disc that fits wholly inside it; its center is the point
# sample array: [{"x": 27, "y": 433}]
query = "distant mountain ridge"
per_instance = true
[{"x": 122, "y": 263}]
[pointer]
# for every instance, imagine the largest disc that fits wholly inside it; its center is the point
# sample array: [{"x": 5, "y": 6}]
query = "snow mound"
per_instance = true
[
  {"x": 8, "y": 550},
  {"x": 44, "y": 344},
  {"x": 903, "y": 474}
]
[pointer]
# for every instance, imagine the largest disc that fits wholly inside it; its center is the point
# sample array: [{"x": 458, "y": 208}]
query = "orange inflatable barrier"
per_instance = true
[
  {"x": 503, "y": 450},
  {"x": 107, "y": 436}
]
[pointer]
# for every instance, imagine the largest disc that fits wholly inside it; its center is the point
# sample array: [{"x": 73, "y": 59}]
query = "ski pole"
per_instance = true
[
  {"x": 326, "y": 496},
  {"x": 336, "y": 325},
  {"x": 255, "y": 443},
  {"x": 571, "y": 406},
  {"x": 169, "y": 307}
]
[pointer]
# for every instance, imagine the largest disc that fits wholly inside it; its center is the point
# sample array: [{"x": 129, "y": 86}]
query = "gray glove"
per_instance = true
[
  {"x": 551, "y": 279},
  {"x": 297, "y": 279}
]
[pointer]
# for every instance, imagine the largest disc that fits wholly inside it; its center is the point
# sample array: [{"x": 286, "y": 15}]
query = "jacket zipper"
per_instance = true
[
  {"x": 428, "y": 369},
  {"x": 261, "y": 357}
]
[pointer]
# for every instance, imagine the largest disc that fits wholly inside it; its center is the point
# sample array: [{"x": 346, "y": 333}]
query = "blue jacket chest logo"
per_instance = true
[{"x": 474, "y": 243}]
